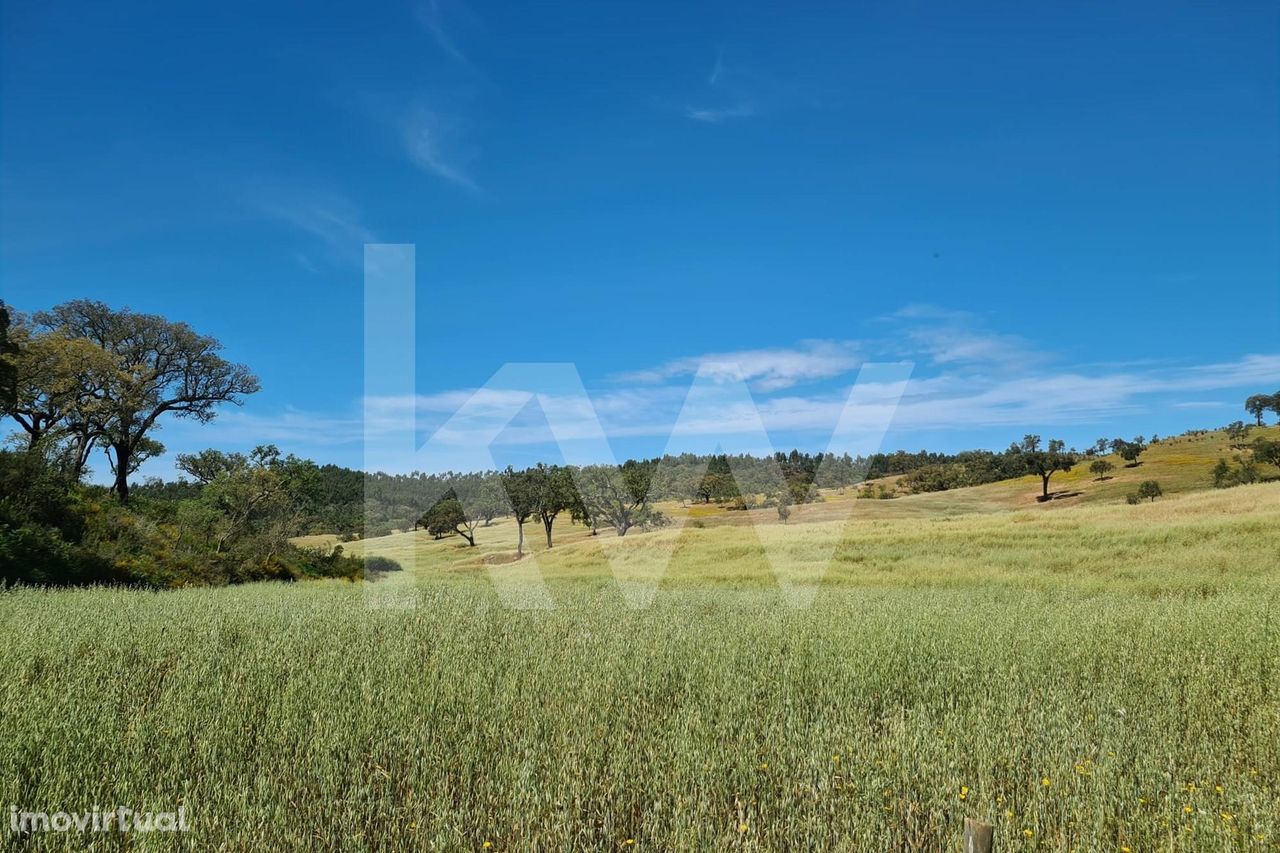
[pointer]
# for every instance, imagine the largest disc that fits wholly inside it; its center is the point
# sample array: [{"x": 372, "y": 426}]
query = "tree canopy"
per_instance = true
[
  {"x": 618, "y": 495},
  {"x": 1047, "y": 462},
  {"x": 157, "y": 367},
  {"x": 1259, "y": 404}
]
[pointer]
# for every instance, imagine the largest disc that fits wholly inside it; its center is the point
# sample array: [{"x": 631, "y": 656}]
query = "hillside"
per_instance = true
[
  {"x": 997, "y": 532},
  {"x": 1179, "y": 464}
]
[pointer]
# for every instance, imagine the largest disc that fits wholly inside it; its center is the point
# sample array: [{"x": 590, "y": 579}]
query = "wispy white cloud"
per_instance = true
[
  {"x": 330, "y": 218},
  {"x": 716, "y": 70},
  {"x": 715, "y": 115},
  {"x": 1253, "y": 369},
  {"x": 726, "y": 97},
  {"x": 736, "y": 88},
  {"x": 952, "y": 400},
  {"x": 968, "y": 379},
  {"x": 765, "y": 370},
  {"x": 1200, "y": 404},
  {"x": 432, "y": 143},
  {"x": 945, "y": 336},
  {"x": 432, "y": 15}
]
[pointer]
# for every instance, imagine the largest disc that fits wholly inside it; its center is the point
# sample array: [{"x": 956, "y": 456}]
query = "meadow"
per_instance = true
[{"x": 1093, "y": 677}]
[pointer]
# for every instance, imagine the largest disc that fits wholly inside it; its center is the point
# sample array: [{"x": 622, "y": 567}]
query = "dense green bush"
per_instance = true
[
  {"x": 42, "y": 525},
  {"x": 57, "y": 532}
]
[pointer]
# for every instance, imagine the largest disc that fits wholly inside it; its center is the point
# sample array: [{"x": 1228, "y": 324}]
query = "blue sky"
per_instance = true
[{"x": 1067, "y": 217}]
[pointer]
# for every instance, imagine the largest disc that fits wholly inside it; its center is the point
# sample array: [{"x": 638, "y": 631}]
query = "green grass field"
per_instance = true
[{"x": 1089, "y": 677}]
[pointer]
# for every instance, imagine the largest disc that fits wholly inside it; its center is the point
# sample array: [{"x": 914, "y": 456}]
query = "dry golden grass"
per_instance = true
[{"x": 1179, "y": 464}]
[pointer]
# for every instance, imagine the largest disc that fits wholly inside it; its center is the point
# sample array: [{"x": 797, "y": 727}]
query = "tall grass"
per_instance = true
[{"x": 1075, "y": 710}]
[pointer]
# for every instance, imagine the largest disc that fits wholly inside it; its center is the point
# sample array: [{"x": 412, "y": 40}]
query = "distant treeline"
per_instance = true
[{"x": 350, "y": 503}]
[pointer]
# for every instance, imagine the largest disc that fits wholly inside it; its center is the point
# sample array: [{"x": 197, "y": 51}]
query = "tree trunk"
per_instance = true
[
  {"x": 1046, "y": 477},
  {"x": 123, "y": 454},
  {"x": 547, "y": 524},
  {"x": 520, "y": 542},
  {"x": 84, "y": 446}
]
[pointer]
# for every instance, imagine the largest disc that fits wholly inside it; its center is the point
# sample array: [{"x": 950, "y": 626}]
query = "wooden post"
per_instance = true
[{"x": 977, "y": 836}]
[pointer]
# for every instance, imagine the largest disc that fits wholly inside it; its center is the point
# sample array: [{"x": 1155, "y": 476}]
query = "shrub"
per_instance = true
[
  {"x": 1101, "y": 468},
  {"x": 1222, "y": 475},
  {"x": 376, "y": 567},
  {"x": 1149, "y": 489},
  {"x": 784, "y": 507},
  {"x": 1267, "y": 452}
]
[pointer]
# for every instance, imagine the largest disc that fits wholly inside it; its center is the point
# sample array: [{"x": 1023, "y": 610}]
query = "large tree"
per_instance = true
[
  {"x": 488, "y": 502},
  {"x": 1259, "y": 404},
  {"x": 523, "y": 500},
  {"x": 1045, "y": 463},
  {"x": 553, "y": 493},
  {"x": 619, "y": 495},
  {"x": 259, "y": 500},
  {"x": 1129, "y": 451},
  {"x": 447, "y": 516},
  {"x": 207, "y": 465},
  {"x": 160, "y": 367},
  {"x": 59, "y": 384}
]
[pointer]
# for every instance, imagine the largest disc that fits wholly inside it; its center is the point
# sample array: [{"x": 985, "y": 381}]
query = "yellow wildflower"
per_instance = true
[
  {"x": 1046, "y": 781},
  {"x": 1028, "y": 832}
]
